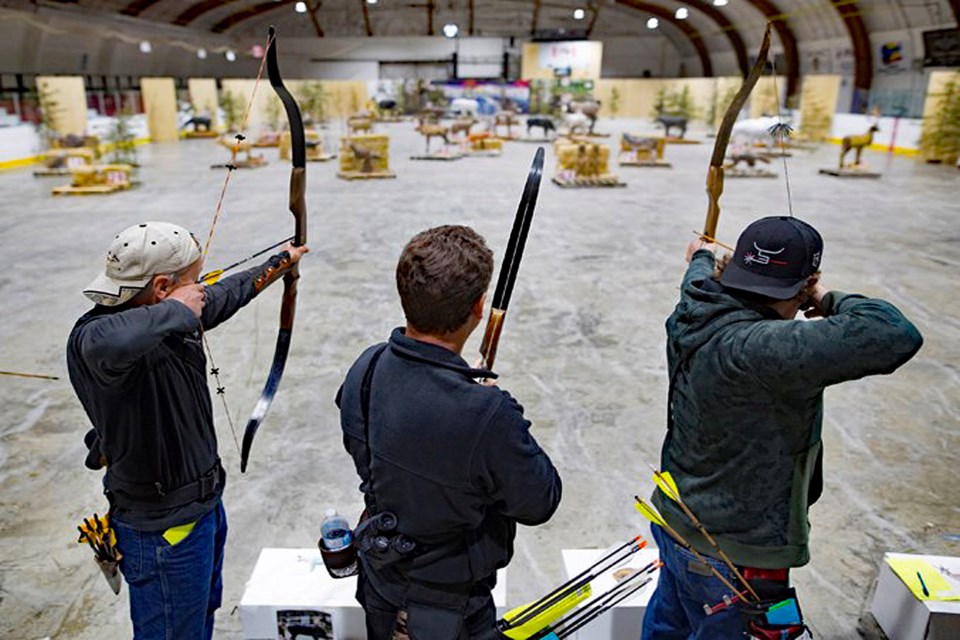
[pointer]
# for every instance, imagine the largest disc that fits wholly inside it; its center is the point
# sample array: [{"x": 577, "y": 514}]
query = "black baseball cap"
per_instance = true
[{"x": 774, "y": 257}]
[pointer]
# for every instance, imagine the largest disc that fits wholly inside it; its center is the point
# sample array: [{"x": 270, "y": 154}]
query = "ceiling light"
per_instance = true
[
  {"x": 145, "y": 46},
  {"x": 450, "y": 30},
  {"x": 371, "y": 1},
  {"x": 300, "y": 7},
  {"x": 202, "y": 53},
  {"x": 682, "y": 13},
  {"x": 257, "y": 51},
  {"x": 653, "y": 23},
  {"x": 578, "y": 14},
  {"x": 230, "y": 55},
  {"x": 720, "y": 3}
]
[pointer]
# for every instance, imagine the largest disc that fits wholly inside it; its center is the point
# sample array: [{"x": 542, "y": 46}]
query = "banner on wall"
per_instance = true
[
  {"x": 566, "y": 55},
  {"x": 892, "y": 58},
  {"x": 844, "y": 61},
  {"x": 817, "y": 61},
  {"x": 941, "y": 48}
]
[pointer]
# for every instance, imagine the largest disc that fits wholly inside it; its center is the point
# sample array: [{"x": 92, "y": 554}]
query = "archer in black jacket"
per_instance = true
[
  {"x": 452, "y": 458},
  {"x": 137, "y": 364}
]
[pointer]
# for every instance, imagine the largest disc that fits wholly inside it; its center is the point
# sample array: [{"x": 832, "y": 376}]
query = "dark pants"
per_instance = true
[
  {"x": 381, "y": 615},
  {"x": 174, "y": 590}
]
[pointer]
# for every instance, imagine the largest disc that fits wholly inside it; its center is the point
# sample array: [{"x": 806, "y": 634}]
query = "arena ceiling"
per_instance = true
[{"x": 711, "y": 26}]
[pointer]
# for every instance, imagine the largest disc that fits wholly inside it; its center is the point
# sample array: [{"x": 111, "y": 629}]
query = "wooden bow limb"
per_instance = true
[{"x": 715, "y": 172}]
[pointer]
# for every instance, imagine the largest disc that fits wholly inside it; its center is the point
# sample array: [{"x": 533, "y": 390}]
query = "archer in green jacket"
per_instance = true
[{"x": 746, "y": 399}]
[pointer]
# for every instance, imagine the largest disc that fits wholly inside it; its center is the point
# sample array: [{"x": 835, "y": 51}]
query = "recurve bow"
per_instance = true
[{"x": 298, "y": 207}]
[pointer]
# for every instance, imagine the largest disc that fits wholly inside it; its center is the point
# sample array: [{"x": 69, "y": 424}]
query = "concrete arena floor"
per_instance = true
[{"x": 582, "y": 350}]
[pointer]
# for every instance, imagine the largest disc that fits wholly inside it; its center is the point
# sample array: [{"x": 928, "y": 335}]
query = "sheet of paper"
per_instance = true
[{"x": 910, "y": 568}]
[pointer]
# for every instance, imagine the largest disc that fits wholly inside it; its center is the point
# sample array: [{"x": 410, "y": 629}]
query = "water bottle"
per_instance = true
[
  {"x": 335, "y": 531},
  {"x": 336, "y": 545}
]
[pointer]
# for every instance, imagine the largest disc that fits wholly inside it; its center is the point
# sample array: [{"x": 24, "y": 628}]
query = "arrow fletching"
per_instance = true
[
  {"x": 648, "y": 512},
  {"x": 551, "y": 614},
  {"x": 212, "y": 277},
  {"x": 667, "y": 484}
]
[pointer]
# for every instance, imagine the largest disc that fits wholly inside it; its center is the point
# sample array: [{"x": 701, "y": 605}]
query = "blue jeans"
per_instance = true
[
  {"x": 174, "y": 590},
  {"x": 675, "y": 611}
]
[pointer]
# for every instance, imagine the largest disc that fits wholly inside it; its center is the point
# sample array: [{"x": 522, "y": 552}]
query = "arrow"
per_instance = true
[
  {"x": 213, "y": 276},
  {"x": 651, "y": 514},
  {"x": 668, "y": 486}
]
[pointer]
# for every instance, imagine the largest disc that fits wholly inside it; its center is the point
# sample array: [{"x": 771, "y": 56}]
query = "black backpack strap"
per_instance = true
[{"x": 365, "y": 409}]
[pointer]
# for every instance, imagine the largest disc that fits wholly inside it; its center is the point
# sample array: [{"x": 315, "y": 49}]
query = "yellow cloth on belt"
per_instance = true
[{"x": 175, "y": 535}]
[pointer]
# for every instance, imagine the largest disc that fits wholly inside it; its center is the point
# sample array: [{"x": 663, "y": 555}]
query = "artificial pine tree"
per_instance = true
[
  {"x": 614, "y": 102},
  {"x": 232, "y": 108},
  {"x": 940, "y": 141},
  {"x": 313, "y": 101},
  {"x": 815, "y": 123},
  {"x": 124, "y": 149}
]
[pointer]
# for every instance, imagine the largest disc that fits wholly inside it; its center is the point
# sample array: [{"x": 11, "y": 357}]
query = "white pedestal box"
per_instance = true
[
  {"x": 295, "y": 581},
  {"x": 902, "y": 616}
]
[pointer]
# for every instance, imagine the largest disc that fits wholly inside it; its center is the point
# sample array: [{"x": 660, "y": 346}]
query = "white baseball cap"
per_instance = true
[{"x": 136, "y": 255}]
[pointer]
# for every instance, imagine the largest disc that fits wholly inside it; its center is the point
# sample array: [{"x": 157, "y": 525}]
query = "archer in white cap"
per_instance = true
[
  {"x": 137, "y": 363},
  {"x": 141, "y": 253}
]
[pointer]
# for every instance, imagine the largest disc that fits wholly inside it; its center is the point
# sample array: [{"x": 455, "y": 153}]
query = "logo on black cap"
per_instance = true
[{"x": 763, "y": 256}]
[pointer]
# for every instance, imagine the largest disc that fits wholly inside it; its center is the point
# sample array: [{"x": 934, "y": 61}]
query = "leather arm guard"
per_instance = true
[{"x": 271, "y": 271}]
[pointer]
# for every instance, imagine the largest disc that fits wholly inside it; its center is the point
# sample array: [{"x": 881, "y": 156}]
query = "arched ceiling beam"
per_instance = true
[
  {"x": 196, "y": 10},
  {"x": 247, "y": 13},
  {"x": 790, "y": 53},
  {"x": 863, "y": 55},
  {"x": 594, "y": 8},
  {"x": 136, "y": 7},
  {"x": 728, "y": 29},
  {"x": 688, "y": 30},
  {"x": 366, "y": 17}
]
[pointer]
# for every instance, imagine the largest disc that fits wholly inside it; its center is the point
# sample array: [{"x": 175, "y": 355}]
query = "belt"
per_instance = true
[{"x": 153, "y": 496}]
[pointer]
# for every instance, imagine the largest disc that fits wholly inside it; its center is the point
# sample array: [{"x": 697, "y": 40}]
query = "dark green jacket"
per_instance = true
[{"x": 747, "y": 407}]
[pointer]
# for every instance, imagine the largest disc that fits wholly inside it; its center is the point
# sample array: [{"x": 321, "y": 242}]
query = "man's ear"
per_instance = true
[
  {"x": 162, "y": 285},
  {"x": 812, "y": 281},
  {"x": 477, "y": 309}
]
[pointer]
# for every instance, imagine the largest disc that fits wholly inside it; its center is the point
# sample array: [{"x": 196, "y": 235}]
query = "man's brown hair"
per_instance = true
[{"x": 442, "y": 272}]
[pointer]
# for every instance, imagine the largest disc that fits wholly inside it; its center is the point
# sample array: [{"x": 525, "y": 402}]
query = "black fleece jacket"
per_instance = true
[{"x": 453, "y": 459}]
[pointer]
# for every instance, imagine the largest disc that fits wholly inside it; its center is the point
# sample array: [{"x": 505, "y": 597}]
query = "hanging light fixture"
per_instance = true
[
  {"x": 450, "y": 30},
  {"x": 653, "y": 23},
  {"x": 720, "y": 3},
  {"x": 682, "y": 13},
  {"x": 300, "y": 7},
  {"x": 145, "y": 46},
  {"x": 202, "y": 53},
  {"x": 578, "y": 14},
  {"x": 230, "y": 55}
]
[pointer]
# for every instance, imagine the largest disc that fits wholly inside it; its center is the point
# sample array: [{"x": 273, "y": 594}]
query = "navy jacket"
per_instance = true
[{"x": 453, "y": 459}]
